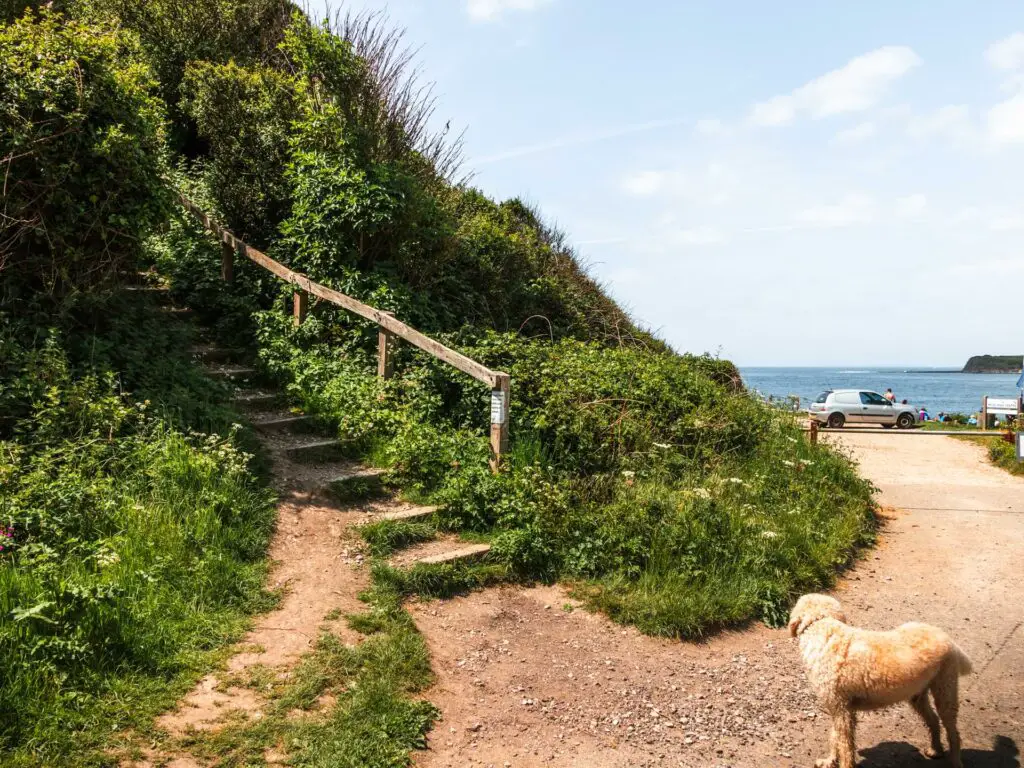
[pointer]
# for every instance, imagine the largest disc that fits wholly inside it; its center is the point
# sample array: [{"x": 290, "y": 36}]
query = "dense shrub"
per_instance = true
[
  {"x": 132, "y": 546},
  {"x": 81, "y": 142},
  {"x": 174, "y": 34}
]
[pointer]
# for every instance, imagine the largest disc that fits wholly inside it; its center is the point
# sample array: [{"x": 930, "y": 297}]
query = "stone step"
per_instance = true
[
  {"x": 415, "y": 513},
  {"x": 463, "y": 553},
  {"x": 231, "y": 371},
  {"x": 313, "y": 446},
  {"x": 212, "y": 353},
  {"x": 278, "y": 421},
  {"x": 257, "y": 398},
  {"x": 181, "y": 313},
  {"x": 360, "y": 484}
]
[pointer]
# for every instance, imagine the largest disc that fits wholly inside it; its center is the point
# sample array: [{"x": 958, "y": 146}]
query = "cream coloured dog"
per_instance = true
[{"x": 853, "y": 669}]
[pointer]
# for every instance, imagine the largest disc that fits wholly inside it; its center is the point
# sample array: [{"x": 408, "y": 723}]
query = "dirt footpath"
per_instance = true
[{"x": 526, "y": 678}]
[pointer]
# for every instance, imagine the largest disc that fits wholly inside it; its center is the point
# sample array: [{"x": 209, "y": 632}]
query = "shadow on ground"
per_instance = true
[{"x": 897, "y": 754}]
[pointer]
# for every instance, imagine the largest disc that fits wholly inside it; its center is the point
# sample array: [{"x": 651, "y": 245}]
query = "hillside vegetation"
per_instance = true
[
  {"x": 993, "y": 364},
  {"x": 135, "y": 518}
]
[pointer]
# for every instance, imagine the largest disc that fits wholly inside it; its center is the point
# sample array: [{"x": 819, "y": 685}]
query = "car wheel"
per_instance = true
[
  {"x": 905, "y": 421},
  {"x": 836, "y": 420}
]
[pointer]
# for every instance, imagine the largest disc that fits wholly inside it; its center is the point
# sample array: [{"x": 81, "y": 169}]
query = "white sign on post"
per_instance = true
[
  {"x": 499, "y": 408},
  {"x": 1020, "y": 446},
  {"x": 1006, "y": 406}
]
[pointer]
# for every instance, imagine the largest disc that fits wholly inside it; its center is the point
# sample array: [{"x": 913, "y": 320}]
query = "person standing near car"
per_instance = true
[{"x": 889, "y": 395}]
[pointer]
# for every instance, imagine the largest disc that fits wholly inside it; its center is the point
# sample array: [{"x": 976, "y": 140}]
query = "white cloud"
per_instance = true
[
  {"x": 777, "y": 111},
  {"x": 697, "y": 236},
  {"x": 578, "y": 139},
  {"x": 1007, "y": 54},
  {"x": 1006, "y": 121},
  {"x": 1007, "y": 222},
  {"x": 490, "y": 10},
  {"x": 911, "y": 206},
  {"x": 857, "y": 133},
  {"x": 709, "y": 126},
  {"x": 852, "y": 209},
  {"x": 952, "y": 121},
  {"x": 713, "y": 184},
  {"x": 857, "y": 86},
  {"x": 644, "y": 183}
]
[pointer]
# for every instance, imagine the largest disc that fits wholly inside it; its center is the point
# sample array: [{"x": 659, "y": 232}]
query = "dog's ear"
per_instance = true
[{"x": 794, "y": 623}]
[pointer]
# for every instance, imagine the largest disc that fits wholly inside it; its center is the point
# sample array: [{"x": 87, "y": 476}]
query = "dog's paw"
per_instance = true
[
  {"x": 826, "y": 762},
  {"x": 933, "y": 753}
]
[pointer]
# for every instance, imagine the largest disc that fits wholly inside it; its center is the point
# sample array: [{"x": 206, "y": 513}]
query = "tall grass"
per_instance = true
[{"x": 136, "y": 550}]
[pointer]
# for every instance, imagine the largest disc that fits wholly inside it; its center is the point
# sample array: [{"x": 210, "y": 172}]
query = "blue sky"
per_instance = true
[{"x": 796, "y": 183}]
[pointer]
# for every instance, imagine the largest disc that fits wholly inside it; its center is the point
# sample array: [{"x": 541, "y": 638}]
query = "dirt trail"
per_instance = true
[
  {"x": 318, "y": 563},
  {"x": 524, "y": 679}
]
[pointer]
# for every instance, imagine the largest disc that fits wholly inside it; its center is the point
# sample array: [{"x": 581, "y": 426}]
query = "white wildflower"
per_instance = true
[
  {"x": 806, "y": 463},
  {"x": 791, "y": 439},
  {"x": 770, "y": 534},
  {"x": 628, "y": 473},
  {"x": 662, "y": 445},
  {"x": 788, "y": 463},
  {"x": 702, "y": 493},
  {"x": 736, "y": 481}
]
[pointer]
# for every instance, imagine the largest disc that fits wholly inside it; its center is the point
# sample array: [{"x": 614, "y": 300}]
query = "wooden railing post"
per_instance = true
[
  {"x": 227, "y": 262},
  {"x": 814, "y": 432},
  {"x": 499, "y": 418},
  {"x": 385, "y": 364},
  {"x": 300, "y": 305}
]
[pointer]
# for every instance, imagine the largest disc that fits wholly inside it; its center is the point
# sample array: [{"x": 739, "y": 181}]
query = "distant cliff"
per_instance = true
[{"x": 993, "y": 364}]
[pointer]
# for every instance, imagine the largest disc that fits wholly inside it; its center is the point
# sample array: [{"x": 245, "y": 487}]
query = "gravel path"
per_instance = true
[{"x": 526, "y": 677}]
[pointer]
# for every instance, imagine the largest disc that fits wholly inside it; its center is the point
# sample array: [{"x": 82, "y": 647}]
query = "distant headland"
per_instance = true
[{"x": 993, "y": 364}]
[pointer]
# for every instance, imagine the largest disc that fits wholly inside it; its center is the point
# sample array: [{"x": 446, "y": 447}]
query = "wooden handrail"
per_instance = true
[{"x": 498, "y": 381}]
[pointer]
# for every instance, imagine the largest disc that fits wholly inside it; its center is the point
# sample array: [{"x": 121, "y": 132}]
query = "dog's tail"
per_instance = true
[{"x": 963, "y": 663}]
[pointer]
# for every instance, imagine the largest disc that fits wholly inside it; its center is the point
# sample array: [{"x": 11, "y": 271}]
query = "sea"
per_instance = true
[{"x": 934, "y": 389}]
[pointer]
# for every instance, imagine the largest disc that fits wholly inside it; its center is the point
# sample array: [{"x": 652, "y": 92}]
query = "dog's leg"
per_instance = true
[
  {"x": 832, "y": 760},
  {"x": 923, "y": 707},
  {"x": 844, "y": 723},
  {"x": 945, "y": 690}
]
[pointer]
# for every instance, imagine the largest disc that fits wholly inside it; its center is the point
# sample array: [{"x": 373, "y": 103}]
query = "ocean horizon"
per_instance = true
[{"x": 936, "y": 388}]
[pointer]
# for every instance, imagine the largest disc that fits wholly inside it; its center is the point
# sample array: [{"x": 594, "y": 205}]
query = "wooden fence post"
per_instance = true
[
  {"x": 385, "y": 363},
  {"x": 814, "y": 432},
  {"x": 499, "y": 418},
  {"x": 227, "y": 262},
  {"x": 984, "y": 412},
  {"x": 300, "y": 304}
]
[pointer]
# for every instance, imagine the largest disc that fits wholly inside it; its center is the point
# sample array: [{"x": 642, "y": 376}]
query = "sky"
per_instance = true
[{"x": 797, "y": 183}]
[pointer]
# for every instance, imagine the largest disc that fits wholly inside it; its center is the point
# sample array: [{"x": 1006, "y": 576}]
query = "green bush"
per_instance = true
[
  {"x": 134, "y": 546},
  {"x": 81, "y": 139}
]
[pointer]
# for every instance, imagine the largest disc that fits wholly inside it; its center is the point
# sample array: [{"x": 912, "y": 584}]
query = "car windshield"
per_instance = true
[{"x": 823, "y": 397}]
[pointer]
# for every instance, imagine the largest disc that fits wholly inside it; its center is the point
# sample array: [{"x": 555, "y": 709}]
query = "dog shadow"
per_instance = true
[{"x": 897, "y": 754}]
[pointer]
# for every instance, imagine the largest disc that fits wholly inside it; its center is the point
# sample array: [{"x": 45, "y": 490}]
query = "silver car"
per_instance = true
[{"x": 838, "y": 407}]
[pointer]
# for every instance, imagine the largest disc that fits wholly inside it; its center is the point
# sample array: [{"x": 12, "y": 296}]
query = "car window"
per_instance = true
[
  {"x": 872, "y": 398},
  {"x": 823, "y": 397}
]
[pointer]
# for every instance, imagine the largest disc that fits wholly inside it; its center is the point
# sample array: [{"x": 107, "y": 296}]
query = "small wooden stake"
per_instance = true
[
  {"x": 814, "y": 432},
  {"x": 227, "y": 262},
  {"x": 385, "y": 364},
  {"x": 499, "y": 418},
  {"x": 300, "y": 304},
  {"x": 984, "y": 412}
]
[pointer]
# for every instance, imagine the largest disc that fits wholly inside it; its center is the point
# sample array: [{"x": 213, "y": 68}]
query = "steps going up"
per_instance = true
[
  {"x": 277, "y": 421},
  {"x": 231, "y": 372},
  {"x": 413, "y": 514},
  {"x": 464, "y": 553}
]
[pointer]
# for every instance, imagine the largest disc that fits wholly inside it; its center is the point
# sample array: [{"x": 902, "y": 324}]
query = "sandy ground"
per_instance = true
[{"x": 526, "y": 678}]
